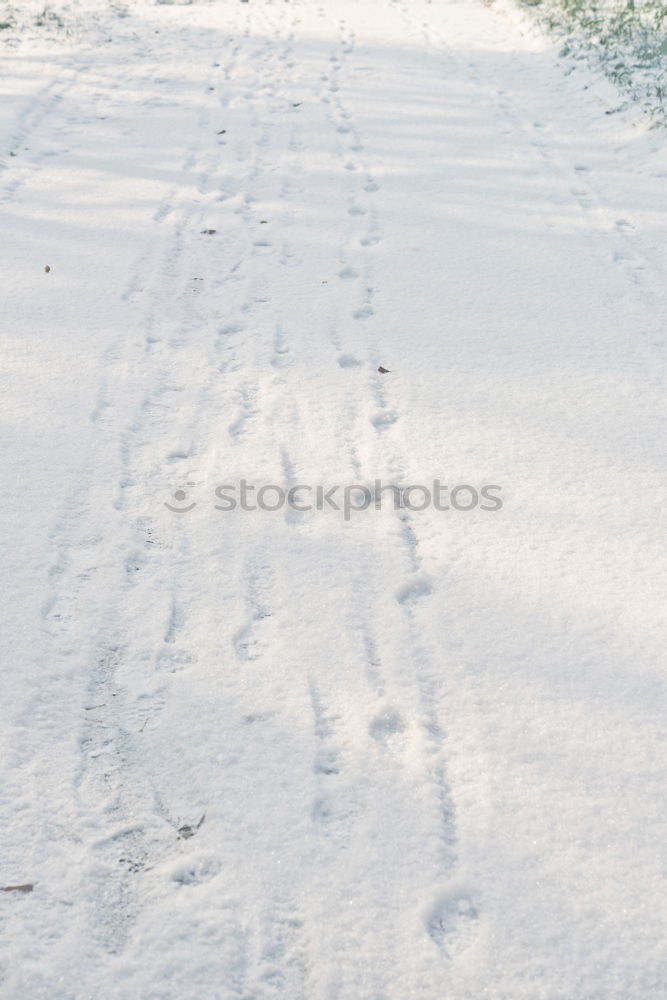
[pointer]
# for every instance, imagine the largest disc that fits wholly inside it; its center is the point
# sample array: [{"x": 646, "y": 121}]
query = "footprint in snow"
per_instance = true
[
  {"x": 231, "y": 328},
  {"x": 385, "y": 725},
  {"x": 172, "y": 661},
  {"x": 195, "y": 871},
  {"x": 453, "y": 921},
  {"x": 364, "y": 312},
  {"x": 384, "y": 419},
  {"x": 415, "y": 590}
]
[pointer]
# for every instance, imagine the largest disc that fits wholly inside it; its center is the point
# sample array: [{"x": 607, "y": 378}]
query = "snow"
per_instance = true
[{"x": 251, "y": 754}]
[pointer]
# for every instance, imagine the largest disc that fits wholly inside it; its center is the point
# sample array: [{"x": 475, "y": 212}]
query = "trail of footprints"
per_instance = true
[
  {"x": 620, "y": 234},
  {"x": 252, "y": 639},
  {"x": 111, "y": 778},
  {"x": 334, "y": 811},
  {"x": 356, "y": 257},
  {"x": 453, "y": 920},
  {"x": 113, "y": 727}
]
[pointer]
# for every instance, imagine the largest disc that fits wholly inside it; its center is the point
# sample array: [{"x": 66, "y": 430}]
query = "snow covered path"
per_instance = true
[{"x": 250, "y": 754}]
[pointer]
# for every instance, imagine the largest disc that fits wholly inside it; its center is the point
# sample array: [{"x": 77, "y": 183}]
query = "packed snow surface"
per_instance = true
[{"x": 310, "y": 754}]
